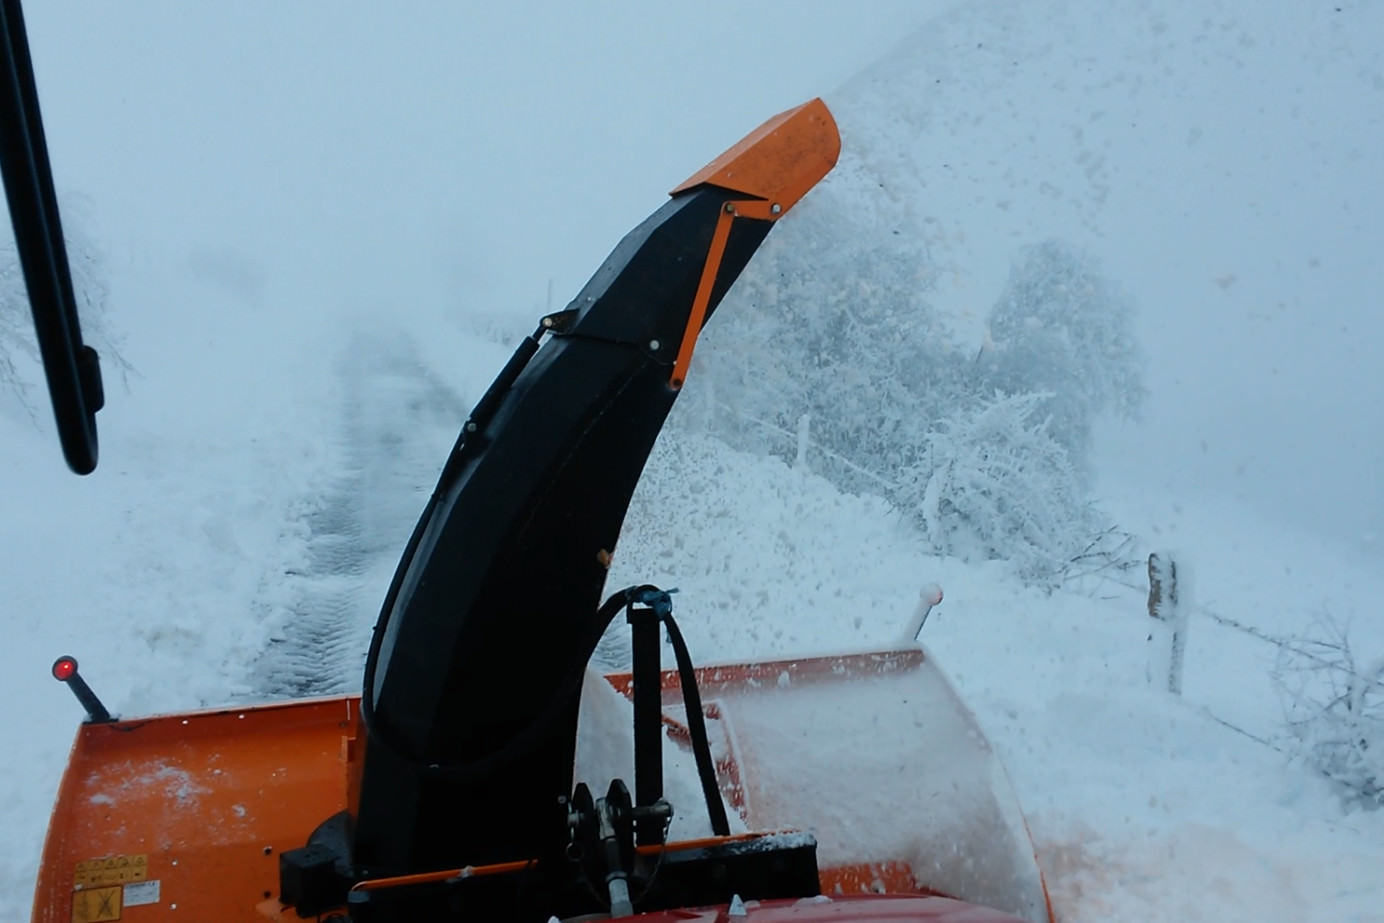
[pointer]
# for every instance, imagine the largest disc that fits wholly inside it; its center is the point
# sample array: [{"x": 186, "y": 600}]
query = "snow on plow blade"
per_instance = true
[
  {"x": 184, "y": 816},
  {"x": 877, "y": 757}
]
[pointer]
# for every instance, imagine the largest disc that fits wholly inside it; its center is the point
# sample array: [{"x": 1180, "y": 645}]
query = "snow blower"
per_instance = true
[{"x": 855, "y": 787}]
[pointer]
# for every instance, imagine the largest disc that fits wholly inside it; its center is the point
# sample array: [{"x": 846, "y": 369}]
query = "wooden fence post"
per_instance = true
[{"x": 1168, "y": 633}]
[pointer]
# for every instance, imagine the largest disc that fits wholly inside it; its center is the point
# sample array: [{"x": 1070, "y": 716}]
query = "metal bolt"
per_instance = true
[
  {"x": 654, "y": 345},
  {"x": 775, "y": 208}
]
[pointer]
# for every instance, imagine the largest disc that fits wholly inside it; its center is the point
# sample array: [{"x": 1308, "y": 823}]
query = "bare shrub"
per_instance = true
[{"x": 1333, "y": 705}]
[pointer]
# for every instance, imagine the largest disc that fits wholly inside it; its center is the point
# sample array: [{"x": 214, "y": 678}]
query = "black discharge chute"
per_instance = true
[
  {"x": 474, "y": 676},
  {"x": 475, "y": 679}
]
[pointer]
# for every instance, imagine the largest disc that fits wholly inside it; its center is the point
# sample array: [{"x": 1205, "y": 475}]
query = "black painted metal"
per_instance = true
[
  {"x": 645, "y": 654},
  {"x": 774, "y": 867},
  {"x": 475, "y": 679},
  {"x": 72, "y": 368}
]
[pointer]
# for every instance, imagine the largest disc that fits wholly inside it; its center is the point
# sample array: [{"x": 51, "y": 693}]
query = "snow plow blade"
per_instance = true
[
  {"x": 876, "y": 756},
  {"x": 872, "y": 753},
  {"x": 184, "y": 816}
]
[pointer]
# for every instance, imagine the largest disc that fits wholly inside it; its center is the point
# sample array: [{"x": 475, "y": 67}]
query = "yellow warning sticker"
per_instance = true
[
  {"x": 96, "y": 905},
  {"x": 112, "y": 870}
]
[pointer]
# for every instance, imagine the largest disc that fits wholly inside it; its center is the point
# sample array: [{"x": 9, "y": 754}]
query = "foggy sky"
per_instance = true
[{"x": 421, "y": 160}]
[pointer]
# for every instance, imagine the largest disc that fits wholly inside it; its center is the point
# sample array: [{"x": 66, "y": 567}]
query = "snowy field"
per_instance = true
[{"x": 312, "y": 281}]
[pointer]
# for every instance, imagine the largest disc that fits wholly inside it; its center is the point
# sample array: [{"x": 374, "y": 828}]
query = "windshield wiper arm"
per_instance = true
[{"x": 71, "y": 367}]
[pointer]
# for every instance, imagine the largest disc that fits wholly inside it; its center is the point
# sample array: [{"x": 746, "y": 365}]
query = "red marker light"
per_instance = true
[{"x": 64, "y": 668}]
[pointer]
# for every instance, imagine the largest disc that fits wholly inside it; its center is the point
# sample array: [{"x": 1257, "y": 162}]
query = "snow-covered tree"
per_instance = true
[
  {"x": 994, "y": 483},
  {"x": 829, "y": 320},
  {"x": 831, "y": 323},
  {"x": 17, "y": 347},
  {"x": 19, "y": 355},
  {"x": 1063, "y": 329}
]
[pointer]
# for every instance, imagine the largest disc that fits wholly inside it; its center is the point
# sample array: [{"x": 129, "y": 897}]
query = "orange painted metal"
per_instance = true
[
  {"x": 183, "y": 817},
  {"x": 764, "y": 211},
  {"x": 828, "y": 667},
  {"x": 888, "y": 877},
  {"x": 727, "y": 688},
  {"x": 893, "y": 877},
  {"x": 424, "y": 878},
  {"x": 697, "y": 315},
  {"x": 776, "y": 164},
  {"x": 768, "y": 673},
  {"x": 780, "y": 160},
  {"x": 203, "y": 803}
]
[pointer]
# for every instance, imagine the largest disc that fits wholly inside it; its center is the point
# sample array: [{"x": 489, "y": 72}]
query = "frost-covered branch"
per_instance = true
[
  {"x": 986, "y": 453},
  {"x": 1333, "y": 706},
  {"x": 20, "y": 370}
]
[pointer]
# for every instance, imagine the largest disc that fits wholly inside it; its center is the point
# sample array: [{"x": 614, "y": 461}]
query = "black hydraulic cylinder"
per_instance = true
[{"x": 648, "y": 718}]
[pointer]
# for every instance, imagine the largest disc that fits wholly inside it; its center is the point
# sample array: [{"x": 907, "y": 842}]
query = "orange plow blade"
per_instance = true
[
  {"x": 184, "y": 816},
  {"x": 874, "y": 754},
  {"x": 877, "y": 757}
]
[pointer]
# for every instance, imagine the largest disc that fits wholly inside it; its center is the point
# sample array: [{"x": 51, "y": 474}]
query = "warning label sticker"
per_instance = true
[
  {"x": 112, "y": 870},
  {"x": 142, "y": 892},
  {"x": 96, "y": 905}
]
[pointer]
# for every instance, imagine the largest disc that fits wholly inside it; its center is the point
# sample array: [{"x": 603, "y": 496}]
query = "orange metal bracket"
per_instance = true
[
  {"x": 775, "y": 165},
  {"x": 761, "y": 210}
]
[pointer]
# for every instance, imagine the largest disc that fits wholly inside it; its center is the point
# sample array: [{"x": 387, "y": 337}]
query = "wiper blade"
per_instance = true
[{"x": 72, "y": 368}]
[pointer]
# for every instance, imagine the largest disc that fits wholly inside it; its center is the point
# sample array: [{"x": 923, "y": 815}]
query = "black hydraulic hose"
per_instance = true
[{"x": 696, "y": 725}]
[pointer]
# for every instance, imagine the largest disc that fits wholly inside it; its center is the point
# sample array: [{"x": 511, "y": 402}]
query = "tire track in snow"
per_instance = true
[{"x": 398, "y": 421}]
